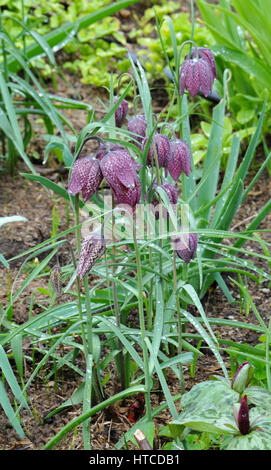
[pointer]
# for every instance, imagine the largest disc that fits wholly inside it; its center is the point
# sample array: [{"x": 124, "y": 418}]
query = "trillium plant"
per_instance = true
[
  {"x": 153, "y": 233},
  {"x": 235, "y": 410}
]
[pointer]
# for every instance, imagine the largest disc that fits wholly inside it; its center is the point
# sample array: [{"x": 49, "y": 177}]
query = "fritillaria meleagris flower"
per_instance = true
[
  {"x": 179, "y": 158},
  {"x": 121, "y": 112},
  {"x": 56, "y": 278},
  {"x": 106, "y": 147},
  {"x": 119, "y": 170},
  {"x": 159, "y": 144},
  {"x": 137, "y": 125},
  {"x": 243, "y": 417},
  {"x": 242, "y": 377},
  {"x": 206, "y": 54},
  {"x": 86, "y": 176},
  {"x": 185, "y": 245},
  {"x": 198, "y": 72},
  {"x": 93, "y": 247},
  {"x": 172, "y": 194}
]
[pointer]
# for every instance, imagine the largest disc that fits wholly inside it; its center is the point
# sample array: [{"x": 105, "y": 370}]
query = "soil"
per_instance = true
[{"x": 31, "y": 200}]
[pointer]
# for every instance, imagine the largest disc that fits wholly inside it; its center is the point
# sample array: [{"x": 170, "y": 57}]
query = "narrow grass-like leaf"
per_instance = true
[
  {"x": 228, "y": 177},
  {"x": 194, "y": 322},
  {"x": 124, "y": 341},
  {"x": 11, "y": 379},
  {"x": 194, "y": 296},
  {"x": 208, "y": 189},
  {"x": 6, "y": 405},
  {"x": 163, "y": 382}
]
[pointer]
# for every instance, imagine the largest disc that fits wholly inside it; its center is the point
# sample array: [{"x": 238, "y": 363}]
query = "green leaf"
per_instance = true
[
  {"x": 255, "y": 440},
  {"x": 207, "y": 407},
  {"x": 10, "y": 378},
  {"x": 208, "y": 189},
  {"x": 259, "y": 396},
  {"x": 4, "y": 261},
  {"x": 251, "y": 66},
  {"x": 5, "y": 403}
]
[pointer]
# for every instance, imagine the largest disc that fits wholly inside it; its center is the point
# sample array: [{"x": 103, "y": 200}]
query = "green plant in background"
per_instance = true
[
  {"x": 24, "y": 96},
  {"x": 220, "y": 407},
  {"x": 151, "y": 51},
  {"x": 241, "y": 31},
  {"x": 87, "y": 53}
]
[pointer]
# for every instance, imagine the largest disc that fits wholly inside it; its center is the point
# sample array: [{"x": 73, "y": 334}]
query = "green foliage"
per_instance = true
[
  {"x": 24, "y": 96},
  {"x": 88, "y": 54},
  {"x": 150, "y": 52},
  {"x": 208, "y": 408},
  {"x": 240, "y": 33}
]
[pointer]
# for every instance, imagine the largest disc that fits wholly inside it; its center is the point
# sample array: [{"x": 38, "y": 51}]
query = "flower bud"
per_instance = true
[
  {"x": 242, "y": 377},
  {"x": 185, "y": 246},
  {"x": 121, "y": 112},
  {"x": 56, "y": 279},
  {"x": 160, "y": 145},
  {"x": 243, "y": 417},
  {"x": 93, "y": 247}
]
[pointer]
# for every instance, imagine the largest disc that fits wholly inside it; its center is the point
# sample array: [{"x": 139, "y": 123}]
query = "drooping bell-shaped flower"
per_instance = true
[
  {"x": 121, "y": 112},
  {"x": 242, "y": 377},
  {"x": 206, "y": 54},
  {"x": 93, "y": 247},
  {"x": 185, "y": 245},
  {"x": 196, "y": 74},
  {"x": 179, "y": 158},
  {"x": 86, "y": 176},
  {"x": 119, "y": 170},
  {"x": 137, "y": 125},
  {"x": 172, "y": 193},
  {"x": 242, "y": 419},
  {"x": 159, "y": 144}
]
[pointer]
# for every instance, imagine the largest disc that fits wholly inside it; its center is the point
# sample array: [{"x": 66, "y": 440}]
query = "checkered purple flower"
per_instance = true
[
  {"x": 119, "y": 170},
  {"x": 86, "y": 176},
  {"x": 93, "y": 247},
  {"x": 159, "y": 144},
  {"x": 172, "y": 193},
  {"x": 121, "y": 112},
  {"x": 185, "y": 246},
  {"x": 198, "y": 72},
  {"x": 137, "y": 125},
  {"x": 179, "y": 158}
]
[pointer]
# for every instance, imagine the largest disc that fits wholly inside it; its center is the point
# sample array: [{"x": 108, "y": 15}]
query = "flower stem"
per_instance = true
[
  {"x": 142, "y": 327},
  {"x": 116, "y": 305},
  {"x": 179, "y": 318}
]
